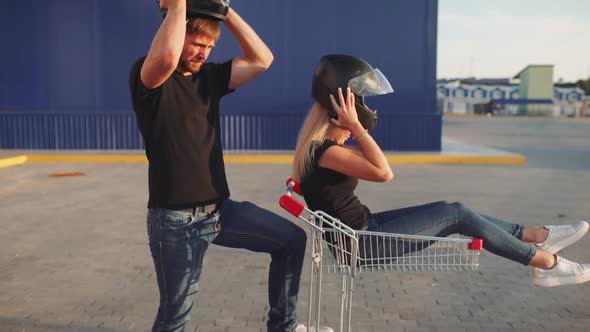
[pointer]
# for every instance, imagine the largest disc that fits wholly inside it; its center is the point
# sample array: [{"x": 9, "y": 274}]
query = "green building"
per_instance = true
[{"x": 536, "y": 87}]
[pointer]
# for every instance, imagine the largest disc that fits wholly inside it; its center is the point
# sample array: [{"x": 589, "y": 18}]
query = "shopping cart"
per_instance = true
[{"x": 337, "y": 248}]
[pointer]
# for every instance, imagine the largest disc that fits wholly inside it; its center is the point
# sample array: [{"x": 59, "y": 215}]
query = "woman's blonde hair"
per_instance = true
[
  {"x": 313, "y": 131},
  {"x": 208, "y": 28}
]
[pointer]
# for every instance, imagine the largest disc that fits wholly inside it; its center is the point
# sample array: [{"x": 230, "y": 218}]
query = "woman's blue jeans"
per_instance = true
[
  {"x": 179, "y": 240},
  {"x": 442, "y": 219}
]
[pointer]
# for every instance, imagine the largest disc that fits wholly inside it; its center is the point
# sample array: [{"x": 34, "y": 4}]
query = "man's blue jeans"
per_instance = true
[
  {"x": 178, "y": 242},
  {"x": 442, "y": 219}
]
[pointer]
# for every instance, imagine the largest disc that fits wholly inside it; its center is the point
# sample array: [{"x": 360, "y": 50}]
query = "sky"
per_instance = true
[{"x": 498, "y": 38}]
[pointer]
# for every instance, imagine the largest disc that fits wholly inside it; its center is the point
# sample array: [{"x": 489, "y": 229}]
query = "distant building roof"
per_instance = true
[
  {"x": 565, "y": 85},
  {"x": 478, "y": 81},
  {"x": 530, "y": 66},
  {"x": 489, "y": 81}
]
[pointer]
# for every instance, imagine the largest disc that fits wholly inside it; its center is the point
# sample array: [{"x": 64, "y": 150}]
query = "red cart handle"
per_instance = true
[
  {"x": 476, "y": 244},
  {"x": 295, "y": 186},
  {"x": 292, "y": 205}
]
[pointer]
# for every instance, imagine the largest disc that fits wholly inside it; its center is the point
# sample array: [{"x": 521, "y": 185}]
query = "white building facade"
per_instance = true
[
  {"x": 468, "y": 98},
  {"x": 568, "y": 102}
]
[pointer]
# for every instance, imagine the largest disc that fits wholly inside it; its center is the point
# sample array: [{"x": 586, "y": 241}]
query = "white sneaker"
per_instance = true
[
  {"x": 302, "y": 328},
  {"x": 562, "y": 236},
  {"x": 563, "y": 273}
]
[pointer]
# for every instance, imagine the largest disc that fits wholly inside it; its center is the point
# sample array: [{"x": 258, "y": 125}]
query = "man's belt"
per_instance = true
[{"x": 200, "y": 209}]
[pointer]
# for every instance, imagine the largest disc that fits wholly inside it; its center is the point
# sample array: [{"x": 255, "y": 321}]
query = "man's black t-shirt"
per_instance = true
[
  {"x": 333, "y": 192},
  {"x": 179, "y": 122}
]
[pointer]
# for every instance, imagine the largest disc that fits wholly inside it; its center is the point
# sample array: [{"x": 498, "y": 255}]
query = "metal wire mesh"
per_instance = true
[{"x": 379, "y": 252}]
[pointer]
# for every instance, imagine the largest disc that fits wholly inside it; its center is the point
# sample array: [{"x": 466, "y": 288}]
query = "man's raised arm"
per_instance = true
[
  {"x": 257, "y": 56},
  {"x": 164, "y": 53}
]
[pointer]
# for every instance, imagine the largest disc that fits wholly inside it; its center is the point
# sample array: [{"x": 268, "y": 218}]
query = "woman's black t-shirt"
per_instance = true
[{"x": 333, "y": 192}]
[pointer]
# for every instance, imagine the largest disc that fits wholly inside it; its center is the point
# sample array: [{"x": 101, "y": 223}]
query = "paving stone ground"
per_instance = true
[{"x": 74, "y": 254}]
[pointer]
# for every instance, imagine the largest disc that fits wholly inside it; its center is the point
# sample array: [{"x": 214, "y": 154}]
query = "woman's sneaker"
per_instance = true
[
  {"x": 562, "y": 236},
  {"x": 302, "y": 328},
  {"x": 563, "y": 273}
]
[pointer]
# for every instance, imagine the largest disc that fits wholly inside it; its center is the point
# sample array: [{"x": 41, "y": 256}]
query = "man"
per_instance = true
[{"x": 176, "y": 97}]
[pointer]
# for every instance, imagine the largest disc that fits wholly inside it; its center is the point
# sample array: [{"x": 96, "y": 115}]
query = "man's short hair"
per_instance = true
[{"x": 204, "y": 26}]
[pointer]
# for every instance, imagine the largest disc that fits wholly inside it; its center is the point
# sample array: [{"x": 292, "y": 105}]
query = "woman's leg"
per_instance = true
[
  {"x": 530, "y": 234},
  {"x": 443, "y": 219},
  {"x": 551, "y": 238},
  {"x": 499, "y": 237}
]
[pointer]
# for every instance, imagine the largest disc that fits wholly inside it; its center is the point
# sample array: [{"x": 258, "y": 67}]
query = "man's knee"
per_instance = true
[
  {"x": 297, "y": 238},
  {"x": 301, "y": 235}
]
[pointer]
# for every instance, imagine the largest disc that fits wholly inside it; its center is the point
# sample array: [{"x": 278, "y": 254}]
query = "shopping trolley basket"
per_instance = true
[{"x": 337, "y": 248}]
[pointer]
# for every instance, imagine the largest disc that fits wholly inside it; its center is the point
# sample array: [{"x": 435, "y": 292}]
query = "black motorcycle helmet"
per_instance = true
[
  {"x": 215, "y": 10},
  {"x": 342, "y": 71}
]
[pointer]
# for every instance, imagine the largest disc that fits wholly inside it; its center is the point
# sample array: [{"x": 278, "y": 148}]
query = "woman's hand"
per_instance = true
[
  {"x": 347, "y": 116},
  {"x": 368, "y": 162}
]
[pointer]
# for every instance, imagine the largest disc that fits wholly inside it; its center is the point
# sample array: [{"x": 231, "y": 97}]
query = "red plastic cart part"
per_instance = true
[
  {"x": 296, "y": 187},
  {"x": 292, "y": 205},
  {"x": 476, "y": 244}
]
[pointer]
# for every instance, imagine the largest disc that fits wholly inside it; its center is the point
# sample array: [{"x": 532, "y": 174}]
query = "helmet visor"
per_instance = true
[{"x": 372, "y": 83}]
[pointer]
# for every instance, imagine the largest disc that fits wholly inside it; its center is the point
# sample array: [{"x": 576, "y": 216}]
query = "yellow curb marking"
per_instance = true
[
  {"x": 262, "y": 159},
  {"x": 97, "y": 159},
  {"x": 13, "y": 161},
  {"x": 270, "y": 159},
  {"x": 458, "y": 159}
]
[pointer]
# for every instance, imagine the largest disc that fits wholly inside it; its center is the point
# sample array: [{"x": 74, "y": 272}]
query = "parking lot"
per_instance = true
[{"x": 74, "y": 254}]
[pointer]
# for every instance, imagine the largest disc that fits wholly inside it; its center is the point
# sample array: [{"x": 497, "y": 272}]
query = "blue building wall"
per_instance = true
[{"x": 64, "y": 83}]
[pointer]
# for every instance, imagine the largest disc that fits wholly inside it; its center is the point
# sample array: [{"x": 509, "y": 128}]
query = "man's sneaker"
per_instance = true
[
  {"x": 302, "y": 328},
  {"x": 562, "y": 236},
  {"x": 563, "y": 273}
]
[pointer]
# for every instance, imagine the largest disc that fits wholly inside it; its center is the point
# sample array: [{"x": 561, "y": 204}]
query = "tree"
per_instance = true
[{"x": 584, "y": 85}]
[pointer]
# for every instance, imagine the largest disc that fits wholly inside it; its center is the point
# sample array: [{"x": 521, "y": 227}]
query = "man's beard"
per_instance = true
[{"x": 189, "y": 66}]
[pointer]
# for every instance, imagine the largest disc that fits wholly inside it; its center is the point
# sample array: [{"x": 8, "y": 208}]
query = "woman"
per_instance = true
[{"x": 328, "y": 172}]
